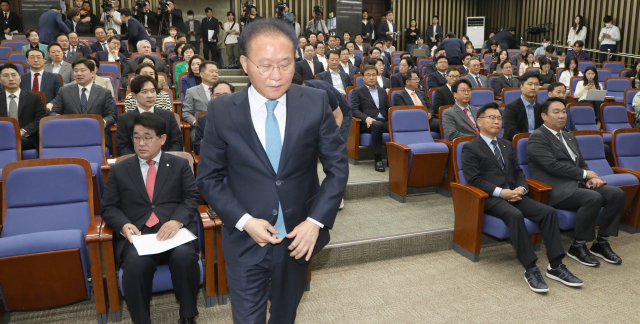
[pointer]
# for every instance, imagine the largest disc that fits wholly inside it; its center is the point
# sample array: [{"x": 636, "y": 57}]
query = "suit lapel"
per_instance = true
[
  {"x": 136, "y": 176},
  {"x": 3, "y": 105},
  {"x": 75, "y": 94},
  {"x": 92, "y": 97},
  {"x": 489, "y": 152},
  {"x": 21, "y": 102},
  {"x": 463, "y": 116},
  {"x": 556, "y": 141},
  {"x": 295, "y": 118},
  {"x": 163, "y": 171},
  {"x": 203, "y": 95}
]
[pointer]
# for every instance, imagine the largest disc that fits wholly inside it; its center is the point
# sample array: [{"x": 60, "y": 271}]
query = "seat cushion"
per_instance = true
[
  {"x": 365, "y": 139},
  {"x": 29, "y": 154},
  {"x": 161, "y": 278},
  {"x": 620, "y": 179},
  {"x": 496, "y": 227}
]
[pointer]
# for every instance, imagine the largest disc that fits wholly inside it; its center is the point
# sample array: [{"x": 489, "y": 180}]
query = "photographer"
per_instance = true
[
  {"x": 282, "y": 13},
  {"x": 173, "y": 16},
  {"x": 111, "y": 18},
  {"x": 209, "y": 43},
  {"x": 148, "y": 18},
  {"x": 317, "y": 24},
  {"x": 250, "y": 13}
]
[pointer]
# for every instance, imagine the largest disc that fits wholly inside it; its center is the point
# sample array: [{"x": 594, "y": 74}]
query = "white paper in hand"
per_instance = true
[{"x": 149, "y": 244}]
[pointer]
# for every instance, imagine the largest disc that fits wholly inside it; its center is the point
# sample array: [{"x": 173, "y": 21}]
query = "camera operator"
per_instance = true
[
  {"x": 209, "y": 25},
  {"x": 317, "y": 24},
  {"x": 111, "y": 18},
  {"x": 282, "y": 13},
  {"x": 148, "y": 18},
  {"x": 136, "y": 30},
  {"x": 175, "y": 17},
  {"x": 250, "y": 13}
]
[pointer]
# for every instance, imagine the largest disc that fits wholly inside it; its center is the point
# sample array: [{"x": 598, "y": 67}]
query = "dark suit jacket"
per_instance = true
[
  {"x": 124, "y": 132},
  {"x": 303, "y": 68},
  {"x": 346, "y": 80},
  {"x": 404, "y": 99},
  {"x": 482, "y": 170},
  {"x": 50, "y": 84},
  {"x": 430, "y": 32},
  {"x": 396, "y": 80},
  {"x": 505, "y": 37},
  {"x": 178, "y": 21},
  {"x": 442, "y": 97},
  {"x": 352, "y": 70},
  {"x": 96, "y": 47},
  {"x": 82, "y": 28},
  {"x": 151, "y": 21},
  {"x": 551, "y": 164},
  {"x": 50, "y": 24},
  {"x": 436, "y": 80},
  {"x": 206, "y": 25},
  {"x": 515, "y": 118},
  {"x": 383, "y": 27},
  {"x": 454, "y": 47},
  {"x": 13, "y": 23},
  {"x": 365, "y": 47},
  {"x": 186, "y": 84},
  {"x": 363, "y": 106},
  {"x": 104, "y": 57},
  {"x": 125, "y": 199},
  {"x": 357, "y": 61},
  {"x": 231, "y": 149},
  {"x": 386, "y": 83},
  {"x": 463, "y": 70},
  {"x": 80, "y": 48},
  {"x": 132, "y": 64},
  {"x": 30, "y": 111},
  {"x": 136, "y": 33},
  {"x": 202, "y": 122},
  {"x": 431, "y": 68},
  {"x": 501, "y": 82},
  {"x": 367, "y": 29}
]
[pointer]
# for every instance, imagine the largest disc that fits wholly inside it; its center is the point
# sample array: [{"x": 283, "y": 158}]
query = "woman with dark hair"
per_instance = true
[
  {"x": 178, "y": 51},
  {"x": 465, "y": 39},
  {"x": 493, "y": 47},
  {"x": 470, "y": 49},
  {"x": 74, "y": 23},
  {"x": 634, "y": 74},
  {"x": 163, "y": 100},
  {"x": 34, "y": 42},
  {"x": 383, "y": 82},
  {"x": 148, "y": 59},
  {"x": 194, "y": 75},
  {"x": 188, "y": 51},
  {"x": 589, "y": 82},
  {"x": 529, "y": 61},
  {"x": 571, "y": 70},
  {"x": 578, "y": 31},
  {"x": 411, "y": 34},
  {"x": 496, "y": 67},
  {"x": 546, "y": 75}
]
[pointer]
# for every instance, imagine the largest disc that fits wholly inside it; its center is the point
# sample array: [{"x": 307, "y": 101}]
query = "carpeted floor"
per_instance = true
[
  {"x": 363, "y": 172},
  {"x": 440, "y": 287}
]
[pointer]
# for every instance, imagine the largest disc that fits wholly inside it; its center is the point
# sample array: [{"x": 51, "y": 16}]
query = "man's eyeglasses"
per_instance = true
[
  {"x": 145, "y": 139},
  {"x": 266, "y": 69},
  {"x": 492, "y": 118},
  {"x": 464, "y": 90}
]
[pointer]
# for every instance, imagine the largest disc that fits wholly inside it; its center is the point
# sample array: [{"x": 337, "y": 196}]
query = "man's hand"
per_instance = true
[
  {"x": 168, "y": 230},
  {"x": 84, "y": 42},
  {"x": 262, "y": 231},
  {"x": 305, "y": 236},
  {"x": 428, "y": 115},
  {"x": 596, "y": 182},
  {"x": 49, "y": 106},
  {"x": 591, "y": 175},
  {"x": 369, "y": 121},
  {"x": 22, "y": 133},
  {"x": 511, "y": 195},
  {"x": 127, "y": 229}
]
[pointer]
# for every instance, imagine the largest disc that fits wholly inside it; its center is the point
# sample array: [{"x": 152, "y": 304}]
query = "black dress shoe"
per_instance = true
[
  {"x": 187, "y": 320},
  {"x": 581, "y": 254},
  {"x": 603, "y": 250},
  {"x": 533, "y": 277},
  {"x": 379, "y": 166},
  {"x": 562, "y": 274}
]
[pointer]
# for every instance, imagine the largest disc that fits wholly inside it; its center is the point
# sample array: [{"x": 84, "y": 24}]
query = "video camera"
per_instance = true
[
  {"x": 138, "y": 10},
  {"x": 246, "y": 8},
  {"x": 163, "y": 6},
  {"x": 317, "y": 10},
  {"x": 280, "y": 7},
  {"x": 107, "y": 5}
]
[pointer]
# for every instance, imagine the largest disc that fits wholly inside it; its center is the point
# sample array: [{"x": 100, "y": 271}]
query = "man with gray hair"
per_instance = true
[
  {"x": 265, "y": 140},
  {"x": 144, "y": 48},
  {"x": 477, "y": 80}
]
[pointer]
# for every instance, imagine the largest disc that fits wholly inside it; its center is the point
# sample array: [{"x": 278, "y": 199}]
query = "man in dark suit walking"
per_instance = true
[
  {"x": 50, "y": 25},
  {"x": 308, "y": 67},
  {"x": 85, "y": 97},
  {"x": 454, "y": 48},
  {"x": 523, "y": 114},
  {"x": 444, "y": 95},
  {"x": 555, "y": 159},
  {"x": 490, "y": 164},
  {"x": 142, "y": 91},
  {"x": 413, "y": 97},
  {"x": 24, "y": 106},
  {"x": 153, "y": 193},
  {"x": 135, "y": 31},
  {"x": 10, "y": 21},
  {"x": 338, "y": 79},
  {"x": 506, "y": 37},
  {"x": 371, "y": 104},
  {"x": 265, "y": 141},
  {"x": 39, "y": 79}
]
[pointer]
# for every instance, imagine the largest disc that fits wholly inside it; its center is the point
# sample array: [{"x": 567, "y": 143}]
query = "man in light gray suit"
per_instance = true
[
  {"x": 460, "y": 120},
  {"x": 85, "y": 97},
  {"x": 58, "y": 65},
  {"x": 197, "y": 98},
  {"x": 477, "y": 80}
]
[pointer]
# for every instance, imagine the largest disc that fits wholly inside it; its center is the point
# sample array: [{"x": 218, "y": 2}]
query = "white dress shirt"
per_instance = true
[
  {"x": 497, "y": 190},
  {"x": 56, "y": 68},
  {"x": 380, "y": 82},
  {"x": 144, "y": 166},
  {"x": 192, "y": 38},
  {"x": 258, "y": 107},
  {"x": 112, "y": 57},
  {"x": 337, "y": 82},
  {"x": 142, "y": 111},
  {"x": 88, "y": 87},
  {"x": 390, "y": 24},
  {"x": 39, "y": 80},
  {"x": 207, "y": 90},
  {"x": 573, "y": 154},
  {"x": 324, "y": 62},
  {"x": 613, "y": 31}
]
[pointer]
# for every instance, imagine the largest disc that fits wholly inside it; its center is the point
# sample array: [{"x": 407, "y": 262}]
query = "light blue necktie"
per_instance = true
[{"x": 274, "y": 148}]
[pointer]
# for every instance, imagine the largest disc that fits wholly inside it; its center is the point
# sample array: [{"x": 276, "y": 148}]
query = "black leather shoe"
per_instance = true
[
  {"x": 603, "y": 250},
  {"x": 533, "y": 277},
  {"x": 562, "y": 274},
  {"x": 187, "y": 320},
  {"x": 379, "y": 166},
  {"x": 581, "y": 254}
]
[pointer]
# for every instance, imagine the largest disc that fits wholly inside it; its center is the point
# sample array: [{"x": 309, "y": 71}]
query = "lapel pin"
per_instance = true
[{"x": 167, "y": 164}]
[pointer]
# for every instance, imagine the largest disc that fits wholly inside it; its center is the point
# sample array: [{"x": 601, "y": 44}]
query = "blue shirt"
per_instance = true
[
  {"x": 497, "y": 190},
  {"x": 531, "y": 119},
  {"x": 376, "y": 99}
]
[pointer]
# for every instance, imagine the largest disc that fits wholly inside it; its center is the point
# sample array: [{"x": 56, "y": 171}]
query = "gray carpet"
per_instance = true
[{"x": 440, "y": 287}]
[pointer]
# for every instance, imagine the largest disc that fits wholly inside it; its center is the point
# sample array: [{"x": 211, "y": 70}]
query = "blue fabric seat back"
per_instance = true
[
  {"x": 461, "y": 177},
  {"x": 492, "y": 79},
  {"x": 615, "y": 68},
  {"x": 81, "y": 138},
  {"x": 396, "y": 69},
  {"x": 628, "y": 150},
  {"x": 583, "y": 65},
  {"x": 396, "y": 59},
  {"x": 615, "y": 117},
  {"x": 542, "y": 96},
  {"x": 574, "y": 84},
  {"x": 8, "y": 148},
  {"x": 392, "y": 95},
  {"x": 394, "y": 55},
  {"x": 4, "y": 51},
  {"x": 480, "y": 98},
  {"x": 616, "y": 88},
  {"x": 523, "y": 156},
  {"x": 359, "y": 82},
  {"x": 628, "y": 99},
  {"x": 152, "y": 55},
  {"x": 110, "y": 68},
  {"x": 603, "y": 74},
  {"x": 592, "y": 149},
  {"x": 510, "y": 96},
  {"x": 487, "y": 62},
  {"x": 584, "y": 118},
  {"x": 358, "y": 54},
  {"x": 410, "y": 126}
]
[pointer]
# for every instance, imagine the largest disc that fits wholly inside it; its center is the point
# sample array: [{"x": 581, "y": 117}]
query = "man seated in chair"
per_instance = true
[
  {"x": 523, "y": 114},
  {"x": 438, "y": 78},
  {"x": 338, "y": 79},
  {"x": 198, "y": 97},
  {"x": 555, "y": 159},
  {"x": 38, "y": 79},
  {"x": 411, "y": 96},
  {"x": 58, "y": 65},
  {"x": 490, "y": 164},
  {"x": 460, "y": 120},
  {"x": 220, "y": 88},
  {"x": 163, "y": 208},
  {"x": 144, "y": 91},
  {"x": 26, "y": 107}
]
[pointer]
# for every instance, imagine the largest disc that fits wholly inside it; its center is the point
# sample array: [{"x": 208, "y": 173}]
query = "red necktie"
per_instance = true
[
  {"x": 151, "y": 182},
  {"x": 478, "y": 80},
  {"x": 466, "y": 114},
  {"x": 36, "y": 84},
  {"x": 210, "y": 93},
  {"x": 64, "y": 57}
]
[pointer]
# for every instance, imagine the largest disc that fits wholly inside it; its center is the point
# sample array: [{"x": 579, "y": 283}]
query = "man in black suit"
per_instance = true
[
  {"x": 39, "y": 79},
  {"x": 68, "y": 56},
  {"x": 276, "y": 215},
  {"x": 431, "y": 68},
  {"x": 361, "y": 45},
  {"x": 142, "y": 90},
  {"x": 10, "y": 21},
  {"x": 209, "y": 45},
  {"x": 490, "y": 164},
  {"x": 433, "y": 31},
  {"x": 135, "y": 31},
  {"x": 153, "y": 193},
  {"x": 345, "y": 62},
  {"x": 371, "y": 104},
  {"x": 175, "y": 18},
  {"x": 412, "y": 96},
  {"x": 555, "y": 159},
  {"x": 76, "y": 47},
  {"x": 338, "y": 79},
  {"x": 466, "y": 58},
  {"x": 303, "y": 67},
  {"x": 506, "y": 37},
  {"x": 148, "y": 19},
  {"x": 523, "y": 115},
  {"x": 113, "y": 55},
  {"x": 376, "y": 52},
  {"x": 367, "y": 28},
  {"x": 505, "y": 80},
  {"x": 387, "y": 27},
  {"x": 405, "y": 65},
  {"x": 24, "y": 106},
  {"x": 438, "y": 78},
  {"x": 444, "y": 96}
]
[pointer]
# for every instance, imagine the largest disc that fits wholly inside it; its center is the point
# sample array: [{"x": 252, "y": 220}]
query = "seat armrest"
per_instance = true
[
  {"x": 477, "y": 193},
  {"x": 106, "y": 233},
  {"x": 196, "y": 158},
  {"x": 626, "y": 170},
  {"x": 93, "y": 232},
  {"x": 0, "y": 229},
  {"x": 448, "y": 142},
  {"x": 207, "y": 222},
  {"x": 537, "y": 186},
  {"x": 399, "y": 146}
]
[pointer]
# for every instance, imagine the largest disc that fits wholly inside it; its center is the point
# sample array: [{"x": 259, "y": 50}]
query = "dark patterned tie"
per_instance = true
[
  {"x": 497, "y": 153},
  {"x": 83, "y": 101}
]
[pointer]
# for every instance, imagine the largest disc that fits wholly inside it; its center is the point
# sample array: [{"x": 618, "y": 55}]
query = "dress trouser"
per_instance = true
[
  {"x": 376, "y": 130},
  {"x": 210, "y": 51},
  {"x": 455, "y": 61},
  {"x": 232, "y": 53},
  {"x": 513, "y": 215},
  {"x": 434, "y": 125},
  {"x": 604, "y": 48},
  {"x": 278, "y": 278},
  {"x": 587, "y": 204},
  {"x": 138, "y": 271},
  {"x": 345, "y": 128}
]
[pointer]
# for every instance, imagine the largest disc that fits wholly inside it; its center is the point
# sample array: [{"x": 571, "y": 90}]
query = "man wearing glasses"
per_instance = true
[
  {"x": 412, "y": 96},
  {"x": 460, "y": 120},
  {"x": 144, "y": 91},
  {"x": 258, "y": 170},
  {"x": 490, "y": 164},
  {"x": 439, "y": 77},
  {"x": 444, "y": 96}
]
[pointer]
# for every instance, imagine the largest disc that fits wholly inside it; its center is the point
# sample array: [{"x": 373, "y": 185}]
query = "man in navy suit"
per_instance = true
[
  {"x": 76, "y": 47},
  {"x": 433, "y": 31},
  {"x": 113, "y": 55},
  {"x": 506, "y": 37},
  {"x": 50, "y": 24},
  {"x": 265, "y": 141},
  {"x": 304, "y": 66},
  {"x": 38, "y": 79},
  {"x": 454, "y": 48},
  {"x": 387, "y": 27},
  {"x": 439, "y": 77},
  {"x": 136, "y": 31},
  {"x": 334, "y": 76}
]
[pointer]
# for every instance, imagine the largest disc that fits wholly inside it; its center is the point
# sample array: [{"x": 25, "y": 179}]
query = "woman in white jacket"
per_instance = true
[
  {"x": 589, "y": 82},
  {"x": 578, "y": 31},
  {"x": 570, "y": 72}
]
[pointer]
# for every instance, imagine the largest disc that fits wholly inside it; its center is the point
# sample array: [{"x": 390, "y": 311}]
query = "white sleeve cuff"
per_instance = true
[
  {"x": 243, "y": 220},
  {"x": 584, "y": 174},
  {"x": 316, "y": 222},
  {"x": 497, "y": 191}
]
